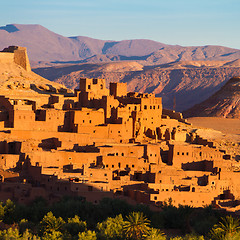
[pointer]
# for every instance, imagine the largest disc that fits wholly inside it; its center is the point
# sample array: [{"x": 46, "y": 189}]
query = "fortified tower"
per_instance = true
[{"x": 17, "y": 55}]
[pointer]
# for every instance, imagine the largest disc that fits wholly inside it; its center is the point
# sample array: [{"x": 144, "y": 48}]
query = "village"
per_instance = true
[{"x": 107, "y": 142}]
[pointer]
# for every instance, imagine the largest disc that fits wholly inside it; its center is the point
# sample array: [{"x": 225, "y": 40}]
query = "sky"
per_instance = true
[{"x": 181, "y": 22}]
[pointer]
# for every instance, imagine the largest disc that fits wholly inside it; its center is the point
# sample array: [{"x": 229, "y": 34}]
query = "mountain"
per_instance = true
[
  {"x": 224, "y": 103},
  {"x": 48, "y": 48},
  {"x": 190, "y": 82}
]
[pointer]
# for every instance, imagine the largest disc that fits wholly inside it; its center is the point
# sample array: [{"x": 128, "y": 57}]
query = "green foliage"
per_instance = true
[
  {"x": 75, "y": 225},
  {"x": 53, "y": 235},
  {"x": 2, "y": 211},
  {"x": 10, "y": 234},
  {"x": 137, "y": 226},
  {"x": 88, "y": 235},
  {"x": 111, "y": 228},
  {"x": 189, "y": 237},
  {"x": 155, "y": 234},
  {"x": 227, "y": 228},
  {"x": 9, "y": 209},
  {"x": 202, "y": 221},
  {"x": 176, "y": 217},
  {"x": 50, "y": 224}
]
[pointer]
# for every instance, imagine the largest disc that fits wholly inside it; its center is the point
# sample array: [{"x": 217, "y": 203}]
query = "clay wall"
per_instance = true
[
  {"x": 68, "y": 139},
  {"x": 20, "y": 56},
  {"x": 127, "y": 150},
  {"x": 22, "y": 119},
  {"x": 172, "y": 114},
  {"x": 96, "y": 87},
  {"x": 181, "y": 154},
  {"x": 88, "y": 117},
  {"x": 121, "y": 162},
  {"x": 195, "y": 199},
  {"x": 54, "y": 159},
  {"x": 8, "y": 161},
  {"x": 108, "y": 102},
  {"x": 152, "y": 153},
  {"x": 6, "y": 57},
  {"x": 118, "y": 89}
]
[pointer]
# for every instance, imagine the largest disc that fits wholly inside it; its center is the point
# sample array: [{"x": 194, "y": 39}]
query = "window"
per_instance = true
[
  {"x": 89, "y": 86},
  {"x": 178, "y": 153},
  {"x": 187, "y": 153},
  {"x": 95, "y": 81},
  {"x": 153, "y": 107},
  {"x": 182, "y": 153},
  {"x": 105, "y": 175},
  {"x": 150, "y": 107},
  {"x": 127, "y": 166},
  {"x": 155, "y": 198},
  {"x": 145, "y": 106},
  {"x": 90, "y": 121},
  {"x": 133, "y": 166},
  {"x": 122, "y": 154},
  {"x": 107, "y": 165},
  {"x": 112, "y": 166}
]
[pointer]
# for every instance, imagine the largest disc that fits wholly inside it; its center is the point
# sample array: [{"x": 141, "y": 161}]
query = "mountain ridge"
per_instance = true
[
  {"x": 224, "y": 103},
  {"x": 46, "y": 46}
]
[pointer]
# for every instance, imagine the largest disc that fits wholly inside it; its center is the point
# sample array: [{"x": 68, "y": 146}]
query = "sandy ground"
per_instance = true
[
  {"x": 225, "y": 125},
  {"x": 226, "y": 133}
]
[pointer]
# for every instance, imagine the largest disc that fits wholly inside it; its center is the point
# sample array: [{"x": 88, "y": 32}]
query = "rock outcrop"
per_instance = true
[{"x": 224, "y": 103}]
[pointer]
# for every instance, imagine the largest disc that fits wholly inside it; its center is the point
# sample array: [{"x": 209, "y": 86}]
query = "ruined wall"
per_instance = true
[{"x": 15, "y": 54}]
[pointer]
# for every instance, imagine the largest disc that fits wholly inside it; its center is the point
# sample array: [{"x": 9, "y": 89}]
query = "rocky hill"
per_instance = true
[
  {"x": 189, "y": 82},
  {"x": 224, "y": 103},
  {"x": 17, "y": 80},
  {"x": 48, "y": 48}
]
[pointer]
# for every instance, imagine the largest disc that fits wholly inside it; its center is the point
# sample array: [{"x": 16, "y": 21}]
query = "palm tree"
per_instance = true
[
  {"x": 137, "y": 226},
  {"x": 227, "y": 228},
  {"x": 155, "y": 234}
]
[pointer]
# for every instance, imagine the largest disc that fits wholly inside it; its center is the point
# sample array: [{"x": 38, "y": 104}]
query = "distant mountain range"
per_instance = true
[{"x": 46, "y": 46}]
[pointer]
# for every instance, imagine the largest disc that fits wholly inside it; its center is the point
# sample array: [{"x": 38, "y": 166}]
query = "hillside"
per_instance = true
[
  {"x": 17, "y": 81},
  {"x": 190, "y": 82},
  {"x": 48, "y": 48},
  {"x": 224, "y": 103}
]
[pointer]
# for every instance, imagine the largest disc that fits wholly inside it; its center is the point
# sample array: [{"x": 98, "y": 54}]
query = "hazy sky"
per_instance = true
[{"x": 183, "y": 22}]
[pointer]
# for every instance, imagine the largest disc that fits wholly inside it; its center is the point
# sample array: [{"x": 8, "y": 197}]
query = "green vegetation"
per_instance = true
[{"x": 74, "y": 218}]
